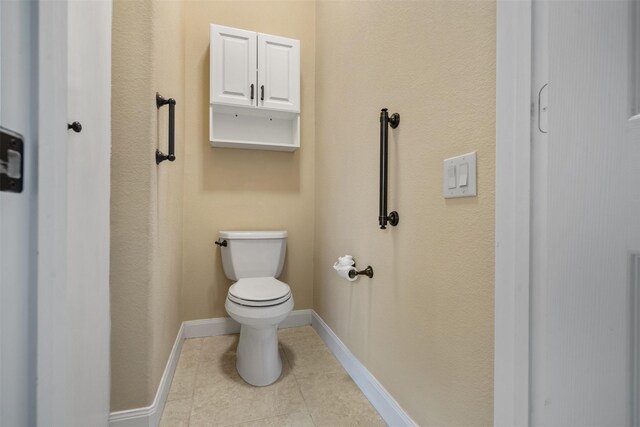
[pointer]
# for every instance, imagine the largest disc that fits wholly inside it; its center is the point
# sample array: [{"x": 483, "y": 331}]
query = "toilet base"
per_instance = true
[{"x": 258, "y": 359}]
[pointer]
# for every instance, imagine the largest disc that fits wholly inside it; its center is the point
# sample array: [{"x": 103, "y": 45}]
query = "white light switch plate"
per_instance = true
[{"x": 463, "y": 168}]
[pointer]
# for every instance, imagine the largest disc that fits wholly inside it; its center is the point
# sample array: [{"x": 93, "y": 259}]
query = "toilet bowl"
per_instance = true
[
  {"x": 256, "y": 300},
  {"x": 258, "y": 360}
]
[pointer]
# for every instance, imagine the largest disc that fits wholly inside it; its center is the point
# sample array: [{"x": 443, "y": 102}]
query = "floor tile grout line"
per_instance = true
[
  {"x": 262, "y": 419},
  {"x": 195, "y": 379},
  {"x": 295, "y": 378},
  {"x": 304, "y": 400},
  {"x": 168, "y": 400}
]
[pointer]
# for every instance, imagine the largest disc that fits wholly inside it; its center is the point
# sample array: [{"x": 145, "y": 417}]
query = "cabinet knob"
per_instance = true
[
  {"x": 251, "y": 90},
  {"x": 262, "y": 93},
  {"x": 75, "y": 126}
]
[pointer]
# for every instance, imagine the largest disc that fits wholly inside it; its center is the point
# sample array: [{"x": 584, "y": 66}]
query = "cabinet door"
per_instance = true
[
  {"x": 278, "y": 73},
  {"x": 233, "y": 66}
]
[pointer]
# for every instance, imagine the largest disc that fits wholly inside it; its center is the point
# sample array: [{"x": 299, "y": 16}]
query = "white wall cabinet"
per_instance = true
[{"x": 254, "y": 90}]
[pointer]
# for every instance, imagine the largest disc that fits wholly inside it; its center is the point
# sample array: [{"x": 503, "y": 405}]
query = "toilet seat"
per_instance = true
[{"x": 259, "y": 292}]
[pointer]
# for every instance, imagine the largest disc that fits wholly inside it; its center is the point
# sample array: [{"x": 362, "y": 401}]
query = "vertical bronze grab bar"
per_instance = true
[
  {"x": 392, "y": 218},
  {"x": 160, "y": 156}
]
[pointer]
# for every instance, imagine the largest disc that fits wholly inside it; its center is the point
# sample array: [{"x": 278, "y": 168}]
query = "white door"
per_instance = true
[
  {"x": 18, "y": 216},
  {"x": 586, "y": 214},
  {"x": 54, "y": 303},
  {"x": 88, "y": 207},
  {"x": 279, "y": 73},
  {"x": 233, "y": 66}
]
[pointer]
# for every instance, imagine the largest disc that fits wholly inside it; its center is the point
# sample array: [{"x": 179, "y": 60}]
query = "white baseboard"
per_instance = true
[
  {"x": 226, "y": 325},
  {"x": 149, "y": 416},
  {"x": 296, "y": 319},
  {"x": 210, "y": 327},
  {"x": 379, "y": 397}
]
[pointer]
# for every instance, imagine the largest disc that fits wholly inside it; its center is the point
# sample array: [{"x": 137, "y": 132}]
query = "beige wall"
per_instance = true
[
  {"x": 245, "y": 189},
  {"x": 146, "y": 200},
  {"x": 424, "y": 324}
]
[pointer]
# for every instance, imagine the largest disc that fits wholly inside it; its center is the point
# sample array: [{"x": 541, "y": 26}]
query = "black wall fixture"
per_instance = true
[
  {"x": 385, "y": 121},
  {"x": 366, "y": 272},
  {"x": 75, "y": 126},
  {"x": 11, "y": 161},
  {"x": 160, "y": 156}
]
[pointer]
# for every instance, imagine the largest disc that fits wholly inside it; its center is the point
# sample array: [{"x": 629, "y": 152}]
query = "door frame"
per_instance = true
[
  {"x": 513, "y": 203},
  {"x": 514, "y": 38},
  {"x": 52, "y": 210}
]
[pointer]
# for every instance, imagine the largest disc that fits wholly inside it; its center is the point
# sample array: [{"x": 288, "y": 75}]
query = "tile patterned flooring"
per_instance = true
[{"x": 313, "y": 390}]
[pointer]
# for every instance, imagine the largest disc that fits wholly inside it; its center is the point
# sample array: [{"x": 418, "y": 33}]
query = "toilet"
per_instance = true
[{"x": 257, "y": 299}]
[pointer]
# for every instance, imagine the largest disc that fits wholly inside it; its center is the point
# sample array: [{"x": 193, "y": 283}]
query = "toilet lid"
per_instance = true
[{"x": 259, "y": 291}]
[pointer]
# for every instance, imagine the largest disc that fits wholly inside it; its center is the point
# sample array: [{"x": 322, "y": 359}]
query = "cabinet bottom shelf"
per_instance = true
[
  {"x": 253, "y": 145},
  {"x": 232, "y": 127}
]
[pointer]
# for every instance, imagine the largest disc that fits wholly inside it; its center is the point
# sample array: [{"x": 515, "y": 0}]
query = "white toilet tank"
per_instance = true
[{"x": 253, "y": 253}]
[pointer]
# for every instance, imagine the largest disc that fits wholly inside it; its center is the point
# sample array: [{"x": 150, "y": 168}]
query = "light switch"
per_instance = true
[
  {"x": 459, "y": 178},
  {"x": 464, "y": 175},
  {"x": 452, "y": 177}
]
